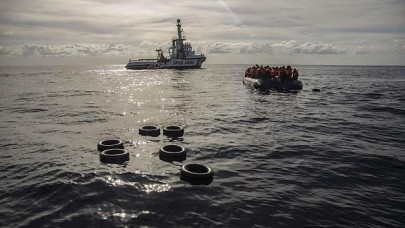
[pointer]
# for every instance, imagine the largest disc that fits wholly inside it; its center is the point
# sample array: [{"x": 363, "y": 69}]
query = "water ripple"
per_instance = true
[{"x": 328, "y": 159}]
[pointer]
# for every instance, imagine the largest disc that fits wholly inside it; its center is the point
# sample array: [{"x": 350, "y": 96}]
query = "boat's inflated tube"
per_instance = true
[
  {"x": 295, "y": 85},
  {"x": 116, "y": 156},
  {"x": 172, "y": 152},
  {"x": 150, "y": 130},
  {"x": 110, "y": 144},
  {"x": 267, "y": 83},
  {"x": 173, "y": 131}
]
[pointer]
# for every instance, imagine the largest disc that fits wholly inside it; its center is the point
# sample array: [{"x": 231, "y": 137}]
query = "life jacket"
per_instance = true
[
  {"x": 259, "y": 72},
  {"x": 253, "y": 73},
  {"x": 268, "y": 73},
  {"x": 247, "y": 72}
]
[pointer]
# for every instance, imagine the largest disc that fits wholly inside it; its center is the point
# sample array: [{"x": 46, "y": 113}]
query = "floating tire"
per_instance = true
[
  {"x": 151, "y": 130},
  {"x": 172, "y": 152},
  {"x": 196, "y": 172},
  {"x": 173, "y": 131},
  {"x": 316, "y": 90},
  {"x": 110, "y": 144},
  {"x": 116, "y": 156}
]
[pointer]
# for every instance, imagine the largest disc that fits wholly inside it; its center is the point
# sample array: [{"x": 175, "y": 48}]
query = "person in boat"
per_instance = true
[
  {"x": 267, "y": 71},
  {"x": 283, "y": 74},
  {"x": 273, "y": 73},
  {"x": 288, "y": 73},
  {"x": 161, "y": 57},
  {"x": 253, "y": 72},
  {"x": 278, "y": 74},
  {"x": 247, "y": 72},
  {"x": 295, "y": 74},
  {"x": 259, "y": 72}
]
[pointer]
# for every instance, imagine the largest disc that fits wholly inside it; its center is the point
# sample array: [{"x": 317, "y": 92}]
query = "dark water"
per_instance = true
[{"x": 334, "y": 158}]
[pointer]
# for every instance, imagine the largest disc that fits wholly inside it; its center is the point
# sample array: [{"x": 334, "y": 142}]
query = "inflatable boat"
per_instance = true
[{"x": 268, "y": 83}]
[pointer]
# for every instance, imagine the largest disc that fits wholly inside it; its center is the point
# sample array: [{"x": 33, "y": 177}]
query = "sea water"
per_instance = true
[{"x": 334, "y": 158}]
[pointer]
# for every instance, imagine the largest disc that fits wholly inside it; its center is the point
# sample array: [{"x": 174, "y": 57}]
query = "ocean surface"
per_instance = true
[{"x": 334, "y": 158}]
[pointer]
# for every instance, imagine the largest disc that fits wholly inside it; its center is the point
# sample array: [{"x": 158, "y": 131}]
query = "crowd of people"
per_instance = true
[{"x": 279, "y": 74}]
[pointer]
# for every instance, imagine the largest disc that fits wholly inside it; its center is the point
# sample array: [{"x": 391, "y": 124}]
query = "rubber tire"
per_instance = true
[
  {"x": 151, "y": 130},
  {"x": 110, "y": 144},
  {"x": 172, "y": 152},
  {"x": 196, "y": 172},
  {"x": 116, "y": 156},
  {"x": 173, "y": 131}
]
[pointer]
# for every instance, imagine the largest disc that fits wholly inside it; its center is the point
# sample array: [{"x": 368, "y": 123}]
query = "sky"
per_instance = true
[{"x": 311, "y": 32}]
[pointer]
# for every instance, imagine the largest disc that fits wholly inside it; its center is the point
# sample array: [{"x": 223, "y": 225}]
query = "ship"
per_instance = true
[{"x": 181, "y": 56}]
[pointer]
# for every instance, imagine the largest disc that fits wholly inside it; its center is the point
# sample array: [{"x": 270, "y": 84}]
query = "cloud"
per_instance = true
[
  {"x": 401, "y": 49},
  {"x": 377, "y": 45},
  {"x": 294, "y": 47},
  {"x": 44, "y": 50},
  {"x": 283, "y": 47},
  {"x": 238, "y": 48},
  {"x": 234, "y": 28},
  {"x": 3, "y": 51},
  {"x": 96, "y": 50},
  {"x": 219, "y": 48},
  {"x": 72, "y": 49},
  {"x": 257, "y": 48},
  {"x": 111, "y": 47},
  {"x": 8, "y": 33},
  {"x": 149, "y": 43},
  {"x": 147, "y": 48},
  {"x": 318, "y": 48},
  {"x": 362, "y": 50},
  {"x": 375, "y": 29}
]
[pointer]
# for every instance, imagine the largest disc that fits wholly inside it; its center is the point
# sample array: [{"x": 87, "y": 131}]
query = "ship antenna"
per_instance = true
[{"x": 178, "y": 29}]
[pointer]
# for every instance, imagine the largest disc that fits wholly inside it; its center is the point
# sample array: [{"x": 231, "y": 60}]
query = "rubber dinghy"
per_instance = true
[
  {"x": 268, "y": 83},
  {"x": 282, "y": 79}
]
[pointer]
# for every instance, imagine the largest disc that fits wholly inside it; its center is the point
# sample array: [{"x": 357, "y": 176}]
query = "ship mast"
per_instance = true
[{"x": 179, "y": 46}]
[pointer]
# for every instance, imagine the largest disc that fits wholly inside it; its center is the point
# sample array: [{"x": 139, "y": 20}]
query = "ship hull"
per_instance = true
[
  {"x": 168, "y": 64},
  {"x": 138, "y": 67}
]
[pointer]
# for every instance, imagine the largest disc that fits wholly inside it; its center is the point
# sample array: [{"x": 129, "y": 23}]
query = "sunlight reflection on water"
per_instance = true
[{"x": 148, "y": 188}]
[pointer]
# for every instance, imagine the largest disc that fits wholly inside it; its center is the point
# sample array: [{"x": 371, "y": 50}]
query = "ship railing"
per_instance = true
[
  {"x": 142, "y": 60},
  {"x": 195, "y": 55}
]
